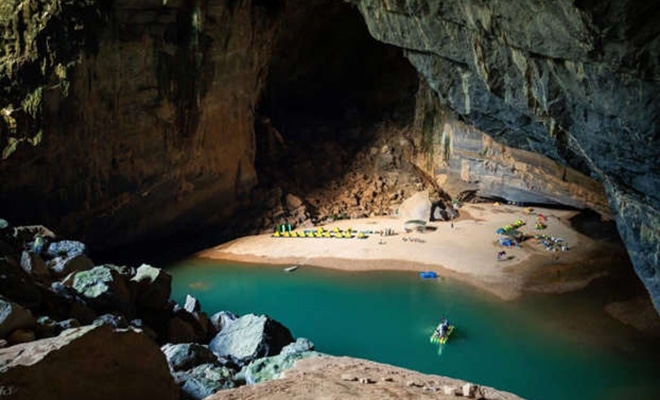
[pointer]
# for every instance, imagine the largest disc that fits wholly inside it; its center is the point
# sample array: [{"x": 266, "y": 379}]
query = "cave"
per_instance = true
[
  {"x": 208, "y": 195},
  {"x": 329, "y": 83}
]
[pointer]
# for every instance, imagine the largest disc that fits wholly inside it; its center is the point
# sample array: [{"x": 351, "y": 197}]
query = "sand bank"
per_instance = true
[{"x": 467, "y": 251}]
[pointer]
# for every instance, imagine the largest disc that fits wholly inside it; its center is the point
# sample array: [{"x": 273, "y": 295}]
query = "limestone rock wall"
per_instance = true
[
  {"x": 577, "y": 81},
  {"x": 461, "y": 158},
  {"x": 155, "y": 121}
]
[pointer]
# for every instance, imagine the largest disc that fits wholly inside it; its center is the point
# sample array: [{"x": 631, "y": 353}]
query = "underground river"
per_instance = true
[{"x": 544, "y": 347}]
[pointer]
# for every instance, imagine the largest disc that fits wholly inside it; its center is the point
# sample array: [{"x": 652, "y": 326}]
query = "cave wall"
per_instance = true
[
  {"x": 461, "y": 158},
  {"x": 125, "y": 118},
  {"x": 153, "y": 132},
  {"x": 577, "y": 81}
]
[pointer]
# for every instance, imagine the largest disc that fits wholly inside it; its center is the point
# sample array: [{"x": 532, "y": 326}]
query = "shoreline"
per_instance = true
[
  {"x": 503, "y": 292},
  {"x": 465, "y": 252}
]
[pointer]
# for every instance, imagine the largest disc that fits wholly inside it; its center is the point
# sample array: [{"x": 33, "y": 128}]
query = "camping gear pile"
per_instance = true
[
  {"x": 508, "y": 242},
  {"x": 540, "y": 222},
  {"x": 413, "y": 240},
  {"x": 511, "y": 236},
  {"x": 320, "y": 232},
  {"x": 510, "y": 228},
  {"x": 415, "y": 225},
  {"x": 551, "y": 243}
]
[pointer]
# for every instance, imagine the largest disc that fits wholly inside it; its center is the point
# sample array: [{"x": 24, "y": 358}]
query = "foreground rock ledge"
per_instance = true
[
  {"x": 90, "y": 362},
  {"x": 351, "y": 378}
]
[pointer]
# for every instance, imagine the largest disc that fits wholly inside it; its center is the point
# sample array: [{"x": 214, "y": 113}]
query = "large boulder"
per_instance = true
[
  {"x": 68, "y": 248},
  {"x": 222, "y": 319},
  {"x": 204, "y": 380},
  {"x": 251, "y": 337},
  {"x": 102, "y": 286},
  {"x": 85, "y": 363},
  {"x": 62, "y": 266},
  {"x": 269, "y": 368},
  {"x": 154, "y": 287},
  {"x": 33, "y": 264},
  {"x": 416, "y": 207},
  {"x": 13, "y": 317},
  {"x": 184, "y": 356},
  {"x": 180, "y": 331}
]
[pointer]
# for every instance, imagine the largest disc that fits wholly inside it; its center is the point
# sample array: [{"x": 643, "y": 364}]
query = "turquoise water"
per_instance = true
[{"x": 388, "y": 317}]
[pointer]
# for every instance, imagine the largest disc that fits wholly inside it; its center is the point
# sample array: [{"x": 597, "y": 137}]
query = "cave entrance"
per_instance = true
[{"x": 329, "y": 85}]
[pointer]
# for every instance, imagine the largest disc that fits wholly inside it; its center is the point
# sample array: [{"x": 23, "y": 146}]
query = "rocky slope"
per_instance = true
[
  {"x": 574, "y": 80},
  {"x": 350, "y": 378},
  {"x": 69, "y": 329}
]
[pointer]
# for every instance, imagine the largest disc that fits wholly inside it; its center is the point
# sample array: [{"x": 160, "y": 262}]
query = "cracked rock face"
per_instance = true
[
  {"x": 139, "y": 105},
  {"x": 577, "y": 81}
]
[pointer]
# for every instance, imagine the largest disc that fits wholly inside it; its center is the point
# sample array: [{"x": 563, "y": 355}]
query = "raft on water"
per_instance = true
[
  {"x": 428, "y": 275},
  {"x": 435, "y": 338}
]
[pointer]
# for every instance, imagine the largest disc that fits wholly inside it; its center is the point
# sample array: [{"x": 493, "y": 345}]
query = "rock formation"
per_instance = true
[
  {"x": 125, "y": 313},
  {"x": 349, "y": 378},
  {"x": 574, "y": 80},
  {"x": 86, "y": 362},
  {"x": 114, "y": 110},
  {"x": 131, "y": 106}
]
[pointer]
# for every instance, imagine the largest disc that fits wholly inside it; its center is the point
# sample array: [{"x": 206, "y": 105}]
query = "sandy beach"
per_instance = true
[{"x": 467, "y": 251}]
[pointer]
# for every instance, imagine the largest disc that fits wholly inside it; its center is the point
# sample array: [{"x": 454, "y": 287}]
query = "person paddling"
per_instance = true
[{"x": 443, "y": 328}]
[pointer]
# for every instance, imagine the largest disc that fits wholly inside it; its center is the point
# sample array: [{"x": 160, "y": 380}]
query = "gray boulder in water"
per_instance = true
[
  {"x": 185, "y": 356},
  {"x": 251, "y": 337}
]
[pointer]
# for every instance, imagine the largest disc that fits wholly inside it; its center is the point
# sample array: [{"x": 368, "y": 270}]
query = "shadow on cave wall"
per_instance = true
[{"x": 328, "y": 84}]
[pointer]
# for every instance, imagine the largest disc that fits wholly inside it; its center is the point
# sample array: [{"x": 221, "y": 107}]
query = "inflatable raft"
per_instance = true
[
  {"x": 428, "y": 275},
  {"x": 435, "y": 338}
]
